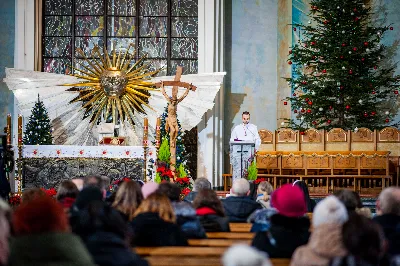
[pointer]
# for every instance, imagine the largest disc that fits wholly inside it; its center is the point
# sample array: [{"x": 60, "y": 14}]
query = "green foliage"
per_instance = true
[
  {"x": 342, "y": 75},
  {"x": 157, "y": 179},
  {"x": 182, "y": 171},
  {"x": 164, "y": 152},
  {"x": 252, "y": 171},
  {"x": 38, "y": 129}
]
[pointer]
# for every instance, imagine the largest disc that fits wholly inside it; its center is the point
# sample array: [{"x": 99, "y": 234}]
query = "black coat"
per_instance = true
[
  {"x": 238, "y": 209},
  {"x": 284, "y": 236},
  {"x": 390, "y": 224},
  {"x": 150, "y": 230},
  {"x": 108, "y": 249},
  {"x": 214, "y": 223}
]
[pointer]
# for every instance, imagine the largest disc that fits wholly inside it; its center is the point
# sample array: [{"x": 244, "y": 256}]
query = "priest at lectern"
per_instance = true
[
  {"x": 246, "y": 131},
  {"x": 243, "y": 145}
]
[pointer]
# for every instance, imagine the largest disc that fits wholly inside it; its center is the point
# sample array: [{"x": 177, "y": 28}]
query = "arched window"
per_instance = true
[{"x": 165, "y": 30}]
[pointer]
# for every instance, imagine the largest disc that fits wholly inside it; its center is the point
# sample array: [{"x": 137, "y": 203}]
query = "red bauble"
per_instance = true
[
  {"x": 356, "y": 19},
  {"x": 294, "y": 94},
  {"x": 290, "y": 62},
  {"x": 313, "y": 57},
  {"x": 396, "y": 92},
  {"x": 373, "y": 92},
  {"x": 290, "y": 51},
  {"x": 326, "y": 22},
  {"x": 324, "y": 71},
  {"x": 354, "y": 48},
  {"x": 366, "y": 43},
  {"x": 312, "y": 43},
  {"x": 330, "y": 107},
  {"x": 284, "y": 103},
  {"x": 302, "y": 110},
  {"x": 363, "y": 59},
  {"x": 375, "y": 67},
  {"x": 304, "y": 82},
  {"x": 314, "y": 123},
  {"x": 387, "y": 120},
  {"x": 307, "y": 99},
  {"x": 341, "y": 57},
  {"x": 355, "y": 9},
  {"x": 310, "y": 103},
  {"x": 373, "y": 113},
  {"x": 329, "y": 121},
  {"x": 295, "y": 111},
  {"x": 347, "y": 107},
  {"x": 343, "y": 44},
  {"x": 391, "y": 28},
  {"x": 309, "y": 111},
  {"x": 302, "y": 133},
  {"x": 365, "y": 114},
  {"x": 350, "y": 71},
  {"x": 341, "y": 87},
  {"x": 294, "y": 29}
]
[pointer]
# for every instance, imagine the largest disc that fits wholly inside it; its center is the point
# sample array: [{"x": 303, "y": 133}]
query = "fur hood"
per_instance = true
[{"x": 324, "y": 244}]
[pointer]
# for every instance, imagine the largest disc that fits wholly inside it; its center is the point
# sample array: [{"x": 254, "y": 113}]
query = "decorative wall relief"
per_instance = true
[
  {"x": 362, "y": 135},
  {"x": 311, "y": 135},
  {"x": 266, "y": 136},
  {"x": 287, "y": 135},
  {"x": 389, "y": 134},
  {"x": 336, "y": 135}
]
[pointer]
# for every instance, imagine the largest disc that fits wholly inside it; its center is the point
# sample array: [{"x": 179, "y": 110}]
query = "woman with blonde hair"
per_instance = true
[
  {"x": 154, "y": 224},
  {"x": 264, "y": 191},
  {"x": 128, "y": 198}
]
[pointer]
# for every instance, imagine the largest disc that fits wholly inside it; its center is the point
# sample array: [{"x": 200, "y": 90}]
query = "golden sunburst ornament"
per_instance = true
[{"x": 114, "y": 85}]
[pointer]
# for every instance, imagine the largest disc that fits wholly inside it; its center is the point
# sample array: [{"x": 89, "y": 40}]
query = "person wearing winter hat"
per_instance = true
[
  {"x": 289, "y": 226},
  {"x": 149, "y": 188},
  {"x": 326, "y": 240},
  {"x": 243, "y": 255},
  {"x": 42, "y": 236}
]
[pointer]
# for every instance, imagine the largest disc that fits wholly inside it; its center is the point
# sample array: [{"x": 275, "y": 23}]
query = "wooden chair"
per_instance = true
[
  {"x": 230, "y": 235},
  {"x": 217, "y": 242},
  {"x": 240, "y": 227}
]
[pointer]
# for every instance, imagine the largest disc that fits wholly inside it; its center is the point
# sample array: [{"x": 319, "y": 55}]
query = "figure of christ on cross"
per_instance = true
[{"x": 171, "y": 124}]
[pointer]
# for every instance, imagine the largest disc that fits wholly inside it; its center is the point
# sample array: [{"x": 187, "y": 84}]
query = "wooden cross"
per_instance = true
[{"x": 171, "y": 124}]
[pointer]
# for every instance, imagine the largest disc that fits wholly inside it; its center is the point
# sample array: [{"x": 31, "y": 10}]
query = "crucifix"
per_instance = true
[{"x": 171, "y": 124}]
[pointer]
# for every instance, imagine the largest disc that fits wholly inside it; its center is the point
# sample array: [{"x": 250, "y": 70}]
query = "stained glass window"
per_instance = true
[{"x": 164, "y": 30}]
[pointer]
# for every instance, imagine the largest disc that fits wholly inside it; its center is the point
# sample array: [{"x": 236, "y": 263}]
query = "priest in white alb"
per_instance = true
[{"x": 241, "y": 156}]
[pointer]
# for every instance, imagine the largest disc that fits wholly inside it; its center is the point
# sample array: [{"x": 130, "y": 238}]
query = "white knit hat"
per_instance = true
[
  {"x": 329, "y": 210},
  {"x": 244, "y": 255}
]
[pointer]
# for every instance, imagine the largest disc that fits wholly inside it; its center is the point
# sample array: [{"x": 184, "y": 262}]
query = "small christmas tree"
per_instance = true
[
  {"x": 38, "y": 129},
  {"x": 341, "y": 73}
]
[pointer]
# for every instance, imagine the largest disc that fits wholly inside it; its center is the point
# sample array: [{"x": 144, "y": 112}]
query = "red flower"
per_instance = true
[
  {"x": 185, "y": 191},
  {"x": 51, "y": 192},
  {"x": 15, "y": 200}
]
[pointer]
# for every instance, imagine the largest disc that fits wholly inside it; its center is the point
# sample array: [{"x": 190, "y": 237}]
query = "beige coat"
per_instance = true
[{"x": 324, "y": 244}]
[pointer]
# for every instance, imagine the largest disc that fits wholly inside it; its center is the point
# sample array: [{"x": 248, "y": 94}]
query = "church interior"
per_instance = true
[{"x": 272, "y": 122}]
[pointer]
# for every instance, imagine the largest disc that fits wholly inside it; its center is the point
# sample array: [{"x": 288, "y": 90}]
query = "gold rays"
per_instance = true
[{"x": 113, "y": 87}]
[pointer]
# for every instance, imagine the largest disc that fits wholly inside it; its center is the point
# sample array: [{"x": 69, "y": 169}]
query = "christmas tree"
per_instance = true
[
  {"x": 38, "y": 129},
  {"x": 341, "y": 75}
]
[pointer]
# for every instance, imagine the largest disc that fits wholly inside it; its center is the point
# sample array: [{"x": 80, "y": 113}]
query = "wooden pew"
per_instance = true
[
  {"x": 230, "y": 235},
  {"x": 189, "y": 256},
  {"x": 217, "y": 242},
  {"x": 240, "y": 227}
]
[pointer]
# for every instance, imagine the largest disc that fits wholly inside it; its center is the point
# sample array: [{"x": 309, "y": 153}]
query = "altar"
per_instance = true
[{"x": 47, "y": 165}]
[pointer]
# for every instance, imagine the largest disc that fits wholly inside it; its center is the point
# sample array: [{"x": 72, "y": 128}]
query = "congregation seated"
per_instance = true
[
  {"x": 185, "y": 214},
  {"x": 210, "y": 211},
  {"x": 388, "y": 217},
  {"x": 238, "y": 206},
  {"x": 106, "y": 235},
  {"x": 127, "y": 199},
  {"x": 264, "y": 190},
  {"x": 66, "y": 194},
  {"x": 325, "y": 241},
  {"x": 289, "y": 227},
  {"x": 42, "y": 237},
  {"x": 199, "y": 184},
  {"x": 5, "y": 231},
  {"x": 154, "y": 224}
]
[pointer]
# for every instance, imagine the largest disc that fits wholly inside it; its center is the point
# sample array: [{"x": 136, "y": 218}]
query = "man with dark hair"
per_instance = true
[
  {"x": 388, "y": 217},
  {"x": 246, "y": 131},
  {"x": 185, "y": 214},
  {"x": 199, "y": 184}
]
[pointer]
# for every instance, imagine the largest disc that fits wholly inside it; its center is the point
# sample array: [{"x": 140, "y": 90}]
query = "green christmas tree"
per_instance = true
[
  {"x": 341, "y": 73},
  {"x": 38, "y": 129}
]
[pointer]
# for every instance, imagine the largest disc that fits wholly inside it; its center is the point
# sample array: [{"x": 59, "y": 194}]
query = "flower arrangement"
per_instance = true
[
  {"x": 14, "y": 200},
  {"x": 51, "y": 192}
]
